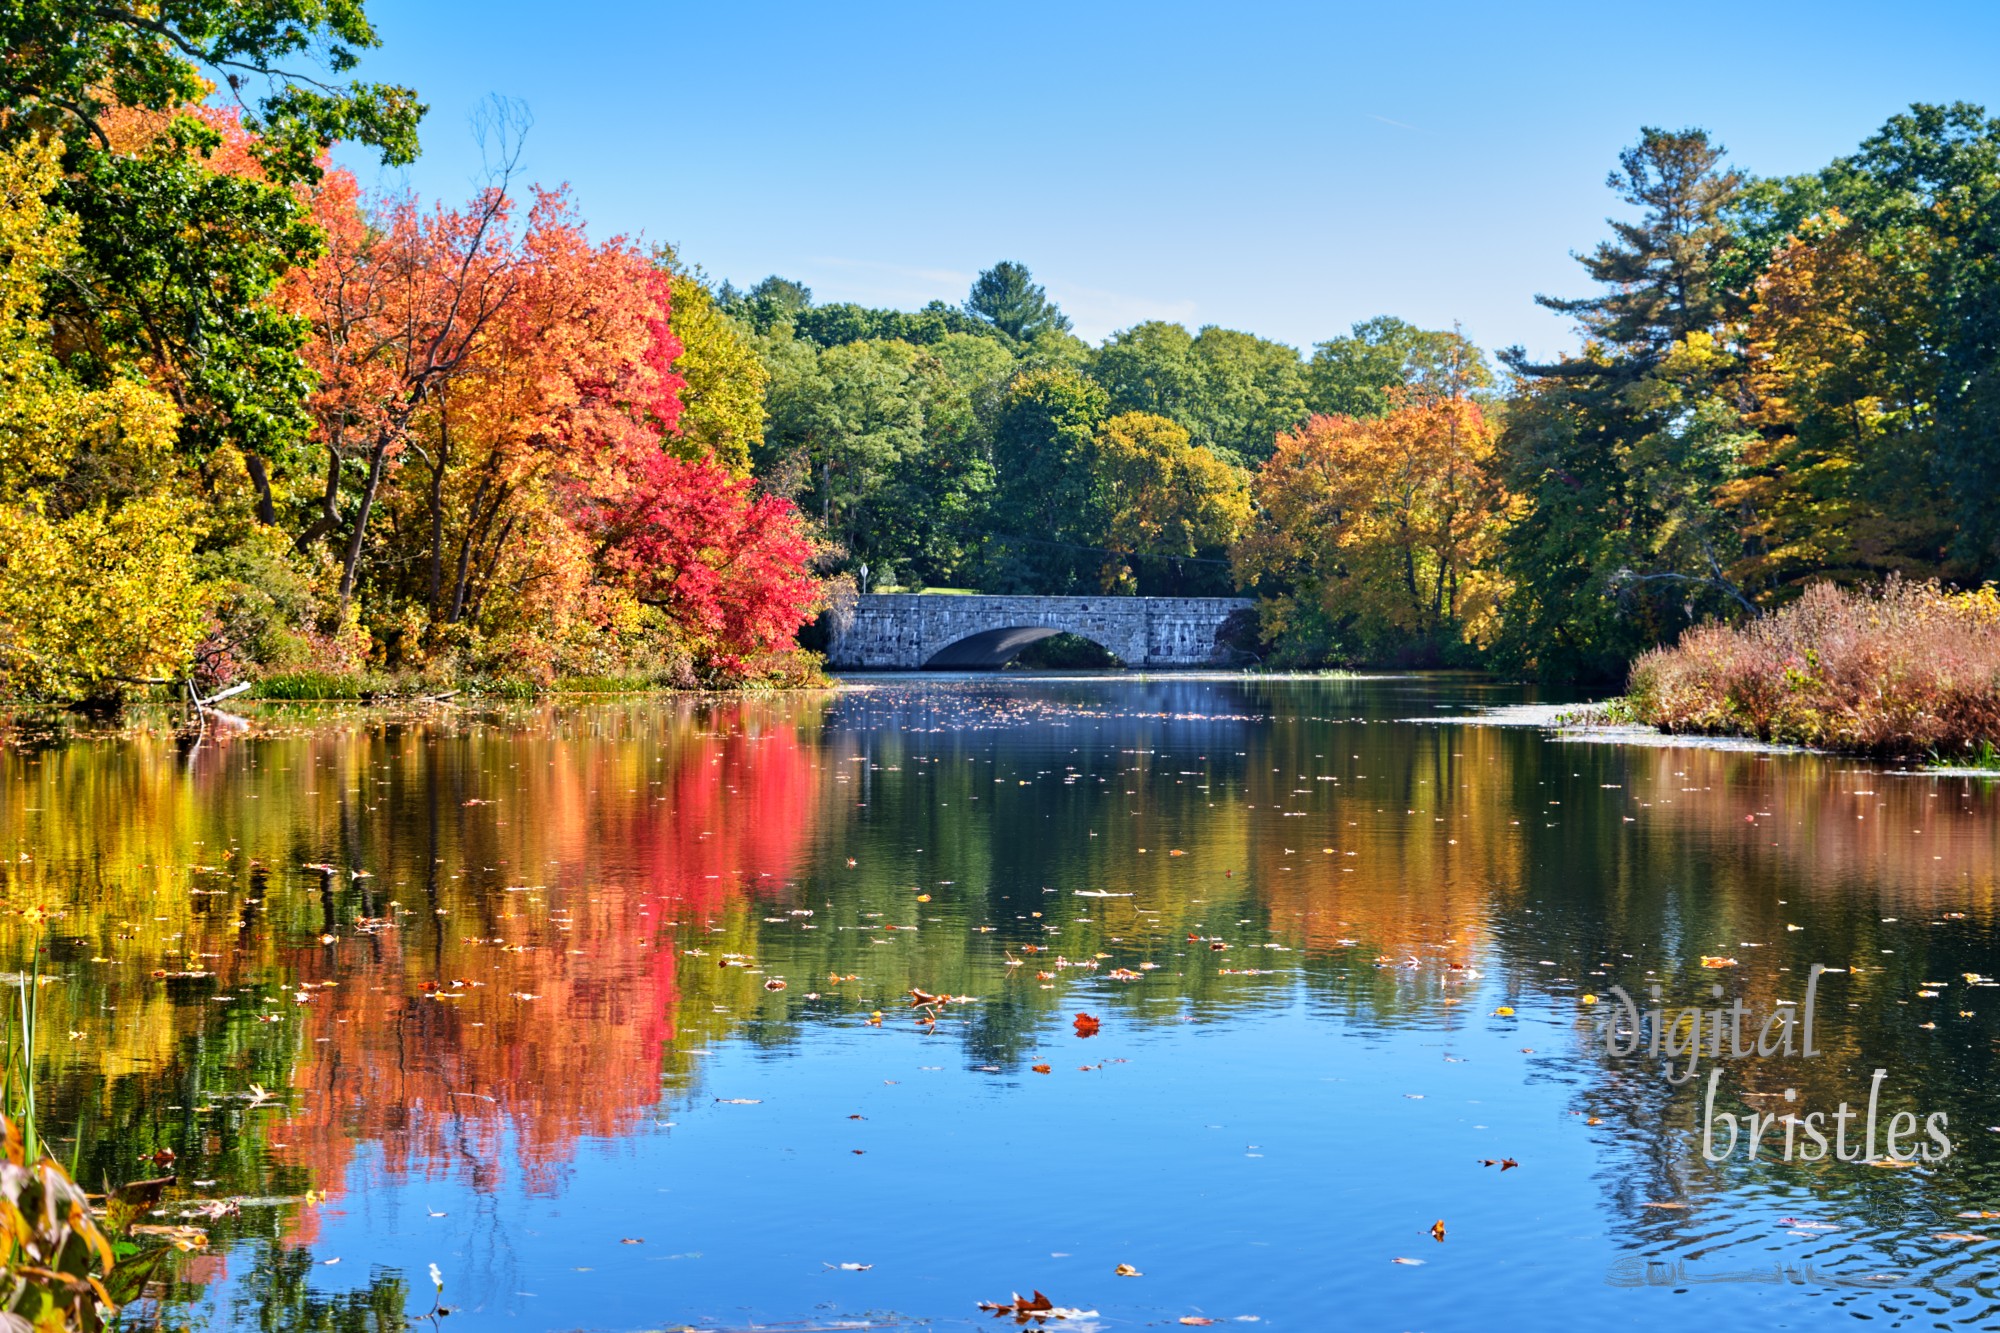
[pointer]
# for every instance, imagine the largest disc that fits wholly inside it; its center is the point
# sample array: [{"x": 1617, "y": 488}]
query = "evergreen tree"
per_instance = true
[
  {"x": 1007, "y": 297},
  {"x": 1663, "y": 271}
]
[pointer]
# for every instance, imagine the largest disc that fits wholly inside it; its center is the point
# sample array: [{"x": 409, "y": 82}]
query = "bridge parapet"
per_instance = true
[{"x": 907, "y": 631}]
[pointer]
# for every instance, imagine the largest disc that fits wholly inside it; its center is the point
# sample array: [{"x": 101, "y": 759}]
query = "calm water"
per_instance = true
[{"x": 606, "y": 1010}]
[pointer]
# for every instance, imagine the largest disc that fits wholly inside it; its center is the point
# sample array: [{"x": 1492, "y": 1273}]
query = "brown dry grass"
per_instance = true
[{"x": 1900, "y": 669}]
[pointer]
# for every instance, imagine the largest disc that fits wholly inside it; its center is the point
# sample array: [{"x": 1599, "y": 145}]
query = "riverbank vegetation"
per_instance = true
[
  {"x": 259, "y": 423},
  {"x": 262, "y": 425},
  {"x": 1904, "y": 669},
  {"x": 1780, "y": 383}
]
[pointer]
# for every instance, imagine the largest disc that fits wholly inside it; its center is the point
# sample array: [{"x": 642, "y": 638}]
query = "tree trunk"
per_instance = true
[
  {"x": 437, "y": 518},
  {"x": 267, "y": 512},
  {"x": 350, "y": 568}
]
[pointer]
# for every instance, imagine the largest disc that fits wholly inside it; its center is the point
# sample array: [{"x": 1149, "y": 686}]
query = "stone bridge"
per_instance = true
[{"x": 946, "y": 631}]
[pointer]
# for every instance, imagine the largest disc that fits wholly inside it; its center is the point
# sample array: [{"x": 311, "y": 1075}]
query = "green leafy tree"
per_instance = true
[
  {"x": 882, "y": 442},
  {"x": 1253, "y": 390},
  {"x": 845, "y": 322},
  {"x": 1232, "y": 392},
  {"x": 1047, "y": 524},
  {"x": 1354, "y": 375},
  {"x": 179, "y": 248},
  {"x": 771, "y": 303}
]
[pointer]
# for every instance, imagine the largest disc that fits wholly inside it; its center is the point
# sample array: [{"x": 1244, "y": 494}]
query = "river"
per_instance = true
[{"x": 861, "y": 1008}]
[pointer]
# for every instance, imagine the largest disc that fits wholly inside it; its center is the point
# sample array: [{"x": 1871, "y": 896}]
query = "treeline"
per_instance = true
[
  {"x": 1781, "y": 381},
  {"x": 255, "y": 422},
  {"x": 986, "y": 446}
]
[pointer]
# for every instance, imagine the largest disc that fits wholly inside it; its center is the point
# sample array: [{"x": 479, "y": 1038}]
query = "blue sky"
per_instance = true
[{"x": 1286, "y": 169}]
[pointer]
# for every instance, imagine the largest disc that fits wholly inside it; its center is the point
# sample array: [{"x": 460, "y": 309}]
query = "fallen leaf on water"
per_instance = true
[
  {"x": 851, "y": 1268},
  {"x": 1437, "y": 1230},
  {"x": 774, "y": 984},
  {"x": 1667, "y": 1204},
  {"x": 1710, "y": 960},
  {"x": 1504, "y": 1011},
  {"x": 1197, "y": 1319},
  {"x": 1958, "y": 1235},
  {"x": 1040, "y": 1069},
  {"x": 1981, "y": 1215},
  {"x": 1126, "y": 1270},
  {"x": 632, "y": 1240},
  {"x": 1021, "y": 1305},
  {"x": 1411, "y": 1262},
  {"x": 1086, "y": 1025},
  {"x": 738, "y": 1101}
]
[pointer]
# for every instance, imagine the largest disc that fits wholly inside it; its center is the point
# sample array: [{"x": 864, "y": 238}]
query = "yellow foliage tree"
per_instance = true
[
  {"x": 1839, "y": 480},
  {"x": 1162, "y": 495},
  {"x": 722, "y": 407},
  {"x": 91, "y": 596},
  {"x": 1387, "y": 526}
]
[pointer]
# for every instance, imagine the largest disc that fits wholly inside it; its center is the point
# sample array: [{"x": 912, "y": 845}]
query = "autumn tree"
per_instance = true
[
  {"x": 98, "y": 586},
  {"x": 1376, "y": 536},
  {"x": 1164, "y": 500},
  {"x": 722, "y": 400},
  {"x": 397, "y": 305},
  {"x": 1838, "y": 482}
]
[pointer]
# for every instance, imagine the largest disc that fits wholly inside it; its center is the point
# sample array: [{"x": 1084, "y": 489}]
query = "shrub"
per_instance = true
[{"x": 1904, "y": 668}]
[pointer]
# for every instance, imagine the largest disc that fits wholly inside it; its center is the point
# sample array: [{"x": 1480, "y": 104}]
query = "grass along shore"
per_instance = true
[{"x": 1904, "y": 669}]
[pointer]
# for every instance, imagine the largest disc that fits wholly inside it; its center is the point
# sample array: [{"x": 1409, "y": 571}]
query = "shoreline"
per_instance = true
[{"x": 1558, "y": 719}]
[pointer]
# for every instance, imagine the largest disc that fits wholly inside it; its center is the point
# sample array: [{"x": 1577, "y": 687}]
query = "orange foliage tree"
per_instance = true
[
  {"x": 1384, "y": 528},
  {"x": 501, "y": 398}
]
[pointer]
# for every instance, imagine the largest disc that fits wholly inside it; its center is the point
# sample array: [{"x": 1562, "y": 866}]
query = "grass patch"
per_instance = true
[{"x": 307, "y": 685}]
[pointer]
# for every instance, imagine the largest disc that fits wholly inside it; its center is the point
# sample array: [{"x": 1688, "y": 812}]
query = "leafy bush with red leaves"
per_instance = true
[{"x": 1900, "y": 669}]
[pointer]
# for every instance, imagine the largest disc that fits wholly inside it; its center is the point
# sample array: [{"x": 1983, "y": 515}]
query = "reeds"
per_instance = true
[{"x": 1900, "y": 669}]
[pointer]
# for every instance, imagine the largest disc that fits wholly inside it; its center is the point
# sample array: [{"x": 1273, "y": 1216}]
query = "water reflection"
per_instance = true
[{"x": 488, "y": 963}]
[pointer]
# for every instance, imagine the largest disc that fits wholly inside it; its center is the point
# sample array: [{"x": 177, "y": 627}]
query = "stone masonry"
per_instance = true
[{"x": 908, "y": 631}]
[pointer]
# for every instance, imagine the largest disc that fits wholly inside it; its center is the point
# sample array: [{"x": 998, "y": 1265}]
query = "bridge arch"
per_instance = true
[{"x": 994, "y": 648}]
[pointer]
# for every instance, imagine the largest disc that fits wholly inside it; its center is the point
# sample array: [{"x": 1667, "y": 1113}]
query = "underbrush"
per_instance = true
[
  {"x": 1900, "y": 669},
  {"x": 789, "y": 670}
]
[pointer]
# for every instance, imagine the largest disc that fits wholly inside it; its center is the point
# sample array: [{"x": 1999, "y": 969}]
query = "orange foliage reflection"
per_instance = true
[{"x": 508, "y": 1021}]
